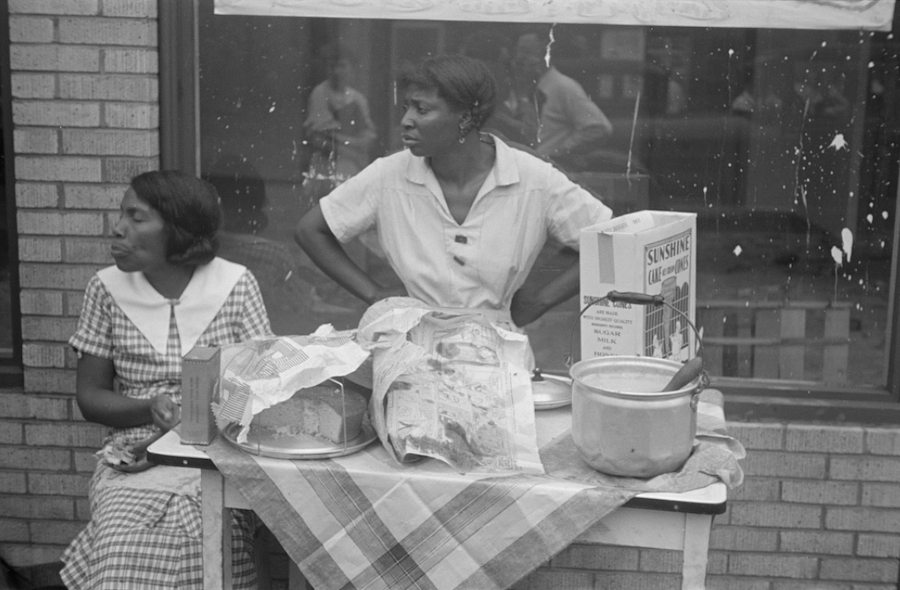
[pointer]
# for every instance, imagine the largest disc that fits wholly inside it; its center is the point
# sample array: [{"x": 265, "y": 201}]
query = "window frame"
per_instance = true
[
  {"x": 745, "y": 399},
  {"x": 11, "y": 369}
]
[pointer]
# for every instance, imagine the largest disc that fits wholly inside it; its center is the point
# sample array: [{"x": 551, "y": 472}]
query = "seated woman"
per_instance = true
[
  {"x": 167, "y": 293},
  {"x": 460, "y": 215}
]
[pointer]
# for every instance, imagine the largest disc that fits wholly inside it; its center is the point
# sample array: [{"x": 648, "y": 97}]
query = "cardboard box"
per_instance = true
[
  {"x": 199, "y": 387},
  {"x": 648, "y": 252}
]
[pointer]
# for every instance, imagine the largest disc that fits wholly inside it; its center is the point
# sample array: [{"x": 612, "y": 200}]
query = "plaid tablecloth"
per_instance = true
[{"x": 365, "y": 522}]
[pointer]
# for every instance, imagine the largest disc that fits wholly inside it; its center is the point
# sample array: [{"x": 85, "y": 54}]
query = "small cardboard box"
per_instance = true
[
  {"x": 648, "y": 252},
  {"x": 199, "y": 387}
]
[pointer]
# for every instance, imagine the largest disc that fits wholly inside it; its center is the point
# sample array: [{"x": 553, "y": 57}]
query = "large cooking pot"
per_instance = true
[{"x": 623, "y": 423}]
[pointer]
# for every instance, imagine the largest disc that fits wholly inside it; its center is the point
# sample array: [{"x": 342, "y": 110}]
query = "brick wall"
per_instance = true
[
  {"x": 86, "y": 117},
  {"x": 820, "y": 506},
  {"x": 819, "y": 509}
]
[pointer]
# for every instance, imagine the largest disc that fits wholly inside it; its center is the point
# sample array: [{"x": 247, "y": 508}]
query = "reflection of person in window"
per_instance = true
[
  {"x": 758, "y": 100},
  {"x": 285, "y": 286},
  {"x": 822, "y": 93},
  {"x": 460, "y": 215},
  {"x": 570, "y": 124},
  {"x": 513, "y": 120},
  {"x": 676, "y": 92},
  {"x": 338, "y": 127}
]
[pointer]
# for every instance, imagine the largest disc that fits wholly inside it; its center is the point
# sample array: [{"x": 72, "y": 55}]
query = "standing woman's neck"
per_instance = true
[{"x": 464, "y": 160}]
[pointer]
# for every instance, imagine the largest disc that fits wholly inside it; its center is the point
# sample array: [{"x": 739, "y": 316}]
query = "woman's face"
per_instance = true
[
  {"x": 429, "y": 125},
  {"x": 139, "y": 236}
]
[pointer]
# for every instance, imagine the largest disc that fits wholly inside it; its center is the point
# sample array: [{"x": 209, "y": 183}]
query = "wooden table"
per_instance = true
[{"x": 654, "y": 520}]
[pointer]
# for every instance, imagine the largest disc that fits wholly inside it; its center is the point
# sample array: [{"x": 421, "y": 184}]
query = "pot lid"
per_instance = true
[{"x": 550, "y": 391}]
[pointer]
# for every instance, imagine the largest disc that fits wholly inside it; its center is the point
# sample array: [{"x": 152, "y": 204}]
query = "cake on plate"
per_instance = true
[{"x": 320, "y": 412}]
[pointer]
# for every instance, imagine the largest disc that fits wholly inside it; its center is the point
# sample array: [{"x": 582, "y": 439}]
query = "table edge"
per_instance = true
[{"x": 165, "y": 452}]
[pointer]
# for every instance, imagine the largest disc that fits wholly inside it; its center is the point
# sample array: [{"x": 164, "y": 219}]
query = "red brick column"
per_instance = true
[{"x": 86, "y": 119}]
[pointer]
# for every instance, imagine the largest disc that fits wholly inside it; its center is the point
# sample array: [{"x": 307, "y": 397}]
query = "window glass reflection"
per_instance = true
[{"x": 782, "y": 141}]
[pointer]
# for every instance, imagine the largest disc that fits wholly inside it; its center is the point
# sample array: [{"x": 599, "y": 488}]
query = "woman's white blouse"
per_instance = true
[{"x": 482, "y": 262}]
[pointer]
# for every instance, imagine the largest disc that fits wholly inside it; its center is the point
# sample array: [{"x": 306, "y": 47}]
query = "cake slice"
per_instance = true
[{"x": 321, "y": 412}]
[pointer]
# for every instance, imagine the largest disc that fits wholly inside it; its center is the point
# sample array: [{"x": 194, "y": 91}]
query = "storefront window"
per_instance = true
[{"x": 782, "y": 141}]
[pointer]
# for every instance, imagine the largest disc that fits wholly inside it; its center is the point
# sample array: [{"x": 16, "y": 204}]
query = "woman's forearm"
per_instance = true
[
  {"x": 528, "y": 306},
  {"x": 113, "y": 409},
  {"x": 324, "y": 249},
  {"x": 564, "y": 286},
  {"x": 97, "y": 400}
]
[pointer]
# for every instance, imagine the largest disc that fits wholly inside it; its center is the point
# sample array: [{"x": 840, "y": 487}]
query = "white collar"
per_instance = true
[
  {"x": 194, "y": 310},
  {"x": 505, "y": 171}
]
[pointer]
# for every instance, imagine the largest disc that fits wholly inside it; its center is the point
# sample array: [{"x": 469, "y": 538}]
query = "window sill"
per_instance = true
[{"x": 750, "y": 408}]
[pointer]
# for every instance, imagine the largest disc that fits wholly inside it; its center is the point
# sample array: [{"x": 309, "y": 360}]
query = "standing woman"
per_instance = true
[
  {"x": 167, "y": 293},
  {"x": 460, "y": 215}
]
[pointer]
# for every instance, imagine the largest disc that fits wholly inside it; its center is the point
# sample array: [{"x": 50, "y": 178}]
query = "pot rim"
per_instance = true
[{"x": 578, "y": 370}]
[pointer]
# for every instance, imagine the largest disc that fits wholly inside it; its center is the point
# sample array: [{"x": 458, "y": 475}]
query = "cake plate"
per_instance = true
[{"x": 298, "y": 447}]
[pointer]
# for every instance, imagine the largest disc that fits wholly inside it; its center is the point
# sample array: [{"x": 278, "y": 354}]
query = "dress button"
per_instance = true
[
  {"x": 459, "y": 261},
  {"x": 461, "y": 239}
]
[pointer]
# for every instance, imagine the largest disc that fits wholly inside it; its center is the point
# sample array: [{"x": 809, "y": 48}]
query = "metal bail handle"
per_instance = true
[{"x": 634, "y": 299}]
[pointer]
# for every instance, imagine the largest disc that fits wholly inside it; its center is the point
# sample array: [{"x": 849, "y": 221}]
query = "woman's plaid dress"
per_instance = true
[{"x": 144, "y": 538}]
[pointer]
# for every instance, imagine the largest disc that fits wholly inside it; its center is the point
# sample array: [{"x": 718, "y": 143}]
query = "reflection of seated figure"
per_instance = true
[
  {"x": 243, "y": 198},
  {"x": 339, "y": 120},
  {"x": 285, "y": 286},
  {"x": 570, "y": 125},
  {"x": 338, "y": 128}
]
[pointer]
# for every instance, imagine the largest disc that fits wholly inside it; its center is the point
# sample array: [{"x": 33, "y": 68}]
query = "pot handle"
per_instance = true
[
  {"x": 636, "y": 298},
  {"x": 695, "y": 400}
]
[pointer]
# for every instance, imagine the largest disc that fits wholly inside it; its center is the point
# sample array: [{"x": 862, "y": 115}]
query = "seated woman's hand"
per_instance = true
[
  {"x": 139, "y": 450},
  {"x": 129, "y": 458},
  {"x": 139, "y": 465},
  {"x": 166, "y": 413}
]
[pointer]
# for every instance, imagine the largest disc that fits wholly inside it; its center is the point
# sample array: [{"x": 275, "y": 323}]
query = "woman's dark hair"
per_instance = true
[
  {"x": 465, "y": 83},
  {"x": 189, "y": 207}
]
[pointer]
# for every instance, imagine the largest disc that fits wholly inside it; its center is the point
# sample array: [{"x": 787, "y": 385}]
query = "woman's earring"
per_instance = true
[{"x": 462, "y": 133}]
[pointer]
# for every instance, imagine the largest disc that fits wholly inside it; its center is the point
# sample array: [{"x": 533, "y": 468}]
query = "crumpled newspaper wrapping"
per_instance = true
[
  {"x": 259, "y": 373},
  {"x": 450, "y": 385}
]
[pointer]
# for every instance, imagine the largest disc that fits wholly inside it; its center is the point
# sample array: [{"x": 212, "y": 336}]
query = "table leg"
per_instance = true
[
  {"x": 697, "y": 528},
  {"x": 216, "y": 532},
  {"x": 296, "y": 581}
]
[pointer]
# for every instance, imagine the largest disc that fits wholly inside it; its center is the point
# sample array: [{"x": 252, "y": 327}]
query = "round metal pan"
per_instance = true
[{"x": 306, "y": 447}]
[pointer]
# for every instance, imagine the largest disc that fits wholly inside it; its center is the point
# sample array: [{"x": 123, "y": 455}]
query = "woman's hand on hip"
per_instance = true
[
  {"x": 531, "y": 302},
  {"x": 525, "y": 308}
]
